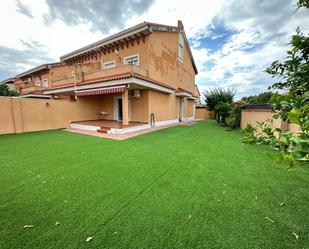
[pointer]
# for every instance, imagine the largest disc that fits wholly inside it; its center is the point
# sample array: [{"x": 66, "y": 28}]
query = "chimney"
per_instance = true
[{"x": 179, "y": 24}]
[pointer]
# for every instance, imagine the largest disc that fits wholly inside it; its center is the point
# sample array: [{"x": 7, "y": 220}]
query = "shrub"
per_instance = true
[
  {"x": 261, "y": 134},
  {"x": 261, "y": 98},
  {"x": 235, "y": 115},
  {"x": 291, "y": 147},
  {"x": 216, "y": 96},
  {"x": 223, "y": 111}
]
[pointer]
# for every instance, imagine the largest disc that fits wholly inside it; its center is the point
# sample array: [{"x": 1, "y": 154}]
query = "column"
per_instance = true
[{"x": 125, "y": 107}]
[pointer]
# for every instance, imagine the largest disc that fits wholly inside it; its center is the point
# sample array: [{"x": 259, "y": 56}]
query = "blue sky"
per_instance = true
[
  {"x": 232, "y": 41},
  {"x": 218, "y": 34}
]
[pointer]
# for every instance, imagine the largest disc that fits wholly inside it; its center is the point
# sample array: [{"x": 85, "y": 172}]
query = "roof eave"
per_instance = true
[
  {"x": 194, "y": 66},
  {"x": 32, "y": 95},
  {"x": 33, "y": 70},
  {"x": 107, "y": 40},
  {"x": 8, "y": 81},
  {"x": 39, "y": 68}
]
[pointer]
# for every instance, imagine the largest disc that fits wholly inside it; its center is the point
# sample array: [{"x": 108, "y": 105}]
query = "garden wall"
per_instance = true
[
  {"x": 203, "y": 113},
  {"x": 251, "y": 116},
  {"x": 19, "y": 115}
]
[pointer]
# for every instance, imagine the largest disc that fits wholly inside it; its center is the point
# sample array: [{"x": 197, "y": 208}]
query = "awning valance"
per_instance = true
[{"x": 101, "y": 91}]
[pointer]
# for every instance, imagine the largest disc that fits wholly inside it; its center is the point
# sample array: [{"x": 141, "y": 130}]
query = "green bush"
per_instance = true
[
  {"x": 235, "y": 115},
  {"x": 261, "y": 134},
  {"x": 223, "y": 111},
  {"x": 261, "y": 98},
  {"x": 218, "y": 95},
  {"x": 291, "y": 147},
  {"x": 217, "y": 99}
]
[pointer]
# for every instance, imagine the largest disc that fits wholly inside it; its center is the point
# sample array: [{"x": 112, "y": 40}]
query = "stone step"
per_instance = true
[{"x": 104, "y": 129}]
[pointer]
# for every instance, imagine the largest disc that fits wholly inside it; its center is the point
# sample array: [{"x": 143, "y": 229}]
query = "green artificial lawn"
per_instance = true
[{"x": 182, "y": 187}]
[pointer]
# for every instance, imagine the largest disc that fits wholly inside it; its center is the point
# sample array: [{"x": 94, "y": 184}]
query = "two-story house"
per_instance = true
[
  {"x": 10, "y": 83},
  {"x": 34, "y": 81},
  {"x": 144, "y": 74}
]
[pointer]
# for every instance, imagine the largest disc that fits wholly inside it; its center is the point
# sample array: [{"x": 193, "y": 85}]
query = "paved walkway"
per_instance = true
[
  {"x": 123, "y": 136},
  {"x": 118, "y": 136}
]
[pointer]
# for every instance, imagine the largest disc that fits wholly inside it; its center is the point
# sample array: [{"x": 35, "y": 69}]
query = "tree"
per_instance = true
[
  {"x": 5, "y": 91},
  {"x": 261, "y": 98},
  {"x": 220, "y": 101},
  {"x": 218, "y": 95},
  {"x": 303, "y": 3},
  {"x": 223, "y": 111}
]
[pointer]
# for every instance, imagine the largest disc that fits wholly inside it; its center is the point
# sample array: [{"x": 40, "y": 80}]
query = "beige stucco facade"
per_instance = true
[{"x": 35, "y": 82}]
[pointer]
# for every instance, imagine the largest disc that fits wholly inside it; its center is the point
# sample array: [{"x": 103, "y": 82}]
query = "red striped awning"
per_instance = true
[{"x": 101, "y": 91}]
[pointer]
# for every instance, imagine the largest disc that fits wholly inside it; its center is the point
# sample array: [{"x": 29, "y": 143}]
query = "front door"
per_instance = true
[
  {"x": 181, "y": 107},
  {"x": 118, "y": 108}
]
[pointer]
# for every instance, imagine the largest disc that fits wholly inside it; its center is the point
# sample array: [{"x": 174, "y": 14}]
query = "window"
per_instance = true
[
  {"x": 37, "y": 83},
  {"x": 109, "y": 64},
  {"x": 45, "y": 83},
  {"x": 180, "y": 48},
  {"x": 29, "y": 79},
  {"x": 134, "y": 59},
  {"x": 73, "y": 73}
]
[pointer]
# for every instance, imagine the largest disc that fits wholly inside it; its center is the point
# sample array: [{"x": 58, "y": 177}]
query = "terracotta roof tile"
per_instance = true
[
  {"x": 124, "y": 76},
  {"x": 39, "y": 92},
  {"x": 62, "y": 86},
  {"x": 179, "y": 89}
]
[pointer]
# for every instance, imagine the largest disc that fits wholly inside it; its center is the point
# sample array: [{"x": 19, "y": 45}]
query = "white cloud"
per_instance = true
[
  {"x": 196, "y": 15},
  {"x": 264, "y": 31},
  {"x": 262, "y": 23},
  {"x": 58, "y": 38}
]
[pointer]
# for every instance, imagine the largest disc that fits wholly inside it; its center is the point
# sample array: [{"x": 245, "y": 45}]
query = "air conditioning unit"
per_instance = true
[{"x": 136, "y": 93}]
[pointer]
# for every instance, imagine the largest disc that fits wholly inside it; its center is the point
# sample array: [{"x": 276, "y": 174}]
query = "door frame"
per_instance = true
[{"x": 116, "y": 108}]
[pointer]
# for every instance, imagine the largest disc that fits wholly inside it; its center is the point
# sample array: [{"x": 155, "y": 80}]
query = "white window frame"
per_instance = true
[
  {"x": 37, "y": 83},
  {"x": 180, "y": 48},
  {"x": 109, "y": 62},
  {"x": 129, "y": 57},
  {"x": 45, "y": 81}
]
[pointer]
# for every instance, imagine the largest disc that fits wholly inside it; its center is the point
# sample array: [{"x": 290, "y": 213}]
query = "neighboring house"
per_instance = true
[
  {"x": 197, "y": 93},
  {"x": 33, "y": 82},
  {"x": 10, "y": 83},
  {"x": 143, "y": 74}
]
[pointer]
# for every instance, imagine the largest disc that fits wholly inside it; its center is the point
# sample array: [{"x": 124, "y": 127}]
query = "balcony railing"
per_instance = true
[
  {"x": 27, "y": 89},
  {"x": 63, "y": 81},
  {"x": 89, "y": 75},
  {"x": 129, "y": 68}
]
